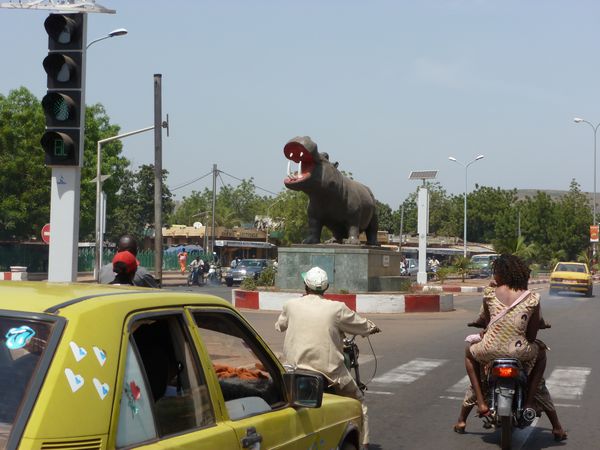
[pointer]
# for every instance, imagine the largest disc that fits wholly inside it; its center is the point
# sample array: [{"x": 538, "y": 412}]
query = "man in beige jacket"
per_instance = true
[{"x": 315, "y": 328}]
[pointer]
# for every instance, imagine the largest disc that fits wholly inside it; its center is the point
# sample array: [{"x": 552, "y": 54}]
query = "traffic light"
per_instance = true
[{"x": 63, "y": 104}]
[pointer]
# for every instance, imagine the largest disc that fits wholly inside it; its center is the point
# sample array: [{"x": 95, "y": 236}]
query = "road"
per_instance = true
[{"x": 420, "y": 380}]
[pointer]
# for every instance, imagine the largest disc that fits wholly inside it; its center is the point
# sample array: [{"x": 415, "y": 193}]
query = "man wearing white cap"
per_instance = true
[{"x": 315, "y": 328}]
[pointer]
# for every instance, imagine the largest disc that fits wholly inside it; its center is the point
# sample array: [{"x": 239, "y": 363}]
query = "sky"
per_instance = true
[{"x": 384, "y": 87}]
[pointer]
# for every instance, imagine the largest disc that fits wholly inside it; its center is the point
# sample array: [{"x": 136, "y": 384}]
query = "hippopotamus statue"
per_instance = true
[{"x": 343, "y": 205}]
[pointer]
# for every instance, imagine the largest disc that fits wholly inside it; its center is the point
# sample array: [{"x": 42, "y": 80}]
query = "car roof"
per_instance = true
[{"x": 44, "y": 297}]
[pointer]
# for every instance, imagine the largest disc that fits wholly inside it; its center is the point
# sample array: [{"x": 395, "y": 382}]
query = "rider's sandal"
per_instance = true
[
  {"x": 459, "y": 429},
  {"x": 560, "y": 436}
]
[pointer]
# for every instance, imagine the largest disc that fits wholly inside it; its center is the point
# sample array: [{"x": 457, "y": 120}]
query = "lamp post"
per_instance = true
[
  {"x": 595, "y": 128},
  {"x": 113, "y": 33},
  {"x": 466, "y": 166},
  {"x": 99, "y": 179}
]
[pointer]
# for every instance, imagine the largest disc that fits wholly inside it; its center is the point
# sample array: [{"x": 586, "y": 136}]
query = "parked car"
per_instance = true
[
  {"x": 571, "y": 276},
  {"x": 411, "y": 267},
  {"x": 246, "y": 268},
  {"x": 105, "y": 366},
  {"x": 481, "y": 265}
]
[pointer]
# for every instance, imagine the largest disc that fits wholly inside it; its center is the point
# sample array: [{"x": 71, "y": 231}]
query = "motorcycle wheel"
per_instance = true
[
  {"x": 506, "y": 437},
  {"x": 189, "y": 279}
]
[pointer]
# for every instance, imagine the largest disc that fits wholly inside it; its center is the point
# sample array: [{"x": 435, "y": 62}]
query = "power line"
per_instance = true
[
  {"x": 190, "y": 182},
  {"x": 258, "y": 187}
]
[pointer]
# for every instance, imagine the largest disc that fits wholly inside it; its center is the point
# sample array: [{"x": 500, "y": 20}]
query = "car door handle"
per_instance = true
[{"x": 252, "y": 437}]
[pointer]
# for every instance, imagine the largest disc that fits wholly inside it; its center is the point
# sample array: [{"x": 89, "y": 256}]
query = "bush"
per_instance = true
[
  {"x": 267, "y": 277},
  {"x": 444, "y": 272},
  {"x": 248, "y": 284}
]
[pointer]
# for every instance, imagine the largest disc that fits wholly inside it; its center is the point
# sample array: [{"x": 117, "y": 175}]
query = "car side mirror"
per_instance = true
[{"x": 304, "y": 388}]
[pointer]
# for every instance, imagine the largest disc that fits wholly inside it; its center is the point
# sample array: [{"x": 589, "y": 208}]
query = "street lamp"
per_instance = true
[
  {"x": 113, "y": 33},
  {"x": 595, "y": 128},
  {"x": 99, "y": 179},
  {"x": 466, "y": 166}
]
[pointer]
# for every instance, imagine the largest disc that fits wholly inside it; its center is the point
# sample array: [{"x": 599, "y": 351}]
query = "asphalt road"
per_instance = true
[{"x": 420, "y": 379}]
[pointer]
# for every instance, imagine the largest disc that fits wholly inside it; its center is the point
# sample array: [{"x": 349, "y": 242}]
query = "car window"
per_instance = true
[
  {"x": 249, "y": 380},
  {"x": 570, "y": 268},
  {"x": 170, "y": 375},
  {"x": 22, "y": 344}
]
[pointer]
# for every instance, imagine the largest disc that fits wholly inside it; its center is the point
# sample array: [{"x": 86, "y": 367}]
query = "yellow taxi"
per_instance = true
[
  {"x": 571, "y": 276},
  {"x": 96, "y": 367}
]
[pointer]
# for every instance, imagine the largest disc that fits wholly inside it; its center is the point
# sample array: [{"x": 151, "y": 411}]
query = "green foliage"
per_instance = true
[
  {"x": 134, "y": 212},
  {"x": 248, "y": 284},
  {"x": 267, "y": 277},
  {"x": 24, "y": 178},
  {"x": 461, "y": 265},
  {"x": 444, "y": 272}
]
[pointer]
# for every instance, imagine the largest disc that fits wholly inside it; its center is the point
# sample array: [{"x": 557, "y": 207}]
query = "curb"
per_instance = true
[
  {"x": 13, "y": 276},
  {"x": 455, "y": 288},
  {"x": 361, "y": 303}
]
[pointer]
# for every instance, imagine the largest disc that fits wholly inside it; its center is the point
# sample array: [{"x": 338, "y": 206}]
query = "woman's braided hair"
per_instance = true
[{"x": 510, "y": 270}]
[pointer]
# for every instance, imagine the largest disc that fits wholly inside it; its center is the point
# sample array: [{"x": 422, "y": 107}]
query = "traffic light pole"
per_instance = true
[{"x": 65, "y": 195}]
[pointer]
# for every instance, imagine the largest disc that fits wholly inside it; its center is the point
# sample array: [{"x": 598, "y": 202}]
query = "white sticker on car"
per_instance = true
[{"x": 75, "y": 381}]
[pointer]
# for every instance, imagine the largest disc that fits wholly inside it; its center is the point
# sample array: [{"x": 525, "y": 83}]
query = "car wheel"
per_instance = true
[
  {"x": 229, "y": 283},
  {"x": 552, "y": 291},
  {"x": 590, "y": 292}
]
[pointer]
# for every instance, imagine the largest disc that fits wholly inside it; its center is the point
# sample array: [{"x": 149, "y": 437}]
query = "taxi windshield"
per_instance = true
[{"x": 22, "y": 344}]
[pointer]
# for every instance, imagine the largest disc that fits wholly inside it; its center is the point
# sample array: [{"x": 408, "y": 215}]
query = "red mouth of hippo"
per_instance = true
[{"x": 298, "y": 154}]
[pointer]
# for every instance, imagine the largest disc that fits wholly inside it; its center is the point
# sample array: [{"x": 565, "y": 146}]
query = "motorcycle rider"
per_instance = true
[
  {"x": 197, "y": 268},
  {"x": 314, "y": 329}
]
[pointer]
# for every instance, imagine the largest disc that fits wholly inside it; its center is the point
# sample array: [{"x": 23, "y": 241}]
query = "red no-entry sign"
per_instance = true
[{"x": 46, "y": 233}]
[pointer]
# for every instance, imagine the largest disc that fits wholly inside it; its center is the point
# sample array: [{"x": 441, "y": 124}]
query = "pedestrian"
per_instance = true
[
  {"x": 124, "y": 266},
  {"x": 197, "y": 268},
  {"x": 182, "y": 258},
  {"x": 142, "y": 276},
  {"x": 315, "y": 329}
]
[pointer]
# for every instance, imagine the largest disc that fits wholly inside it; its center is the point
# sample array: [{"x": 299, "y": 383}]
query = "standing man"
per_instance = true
[
  {"x": 141, "y": 278},
  {"x": 315, "y": 328},
  {"x": 182, "y": 258}
]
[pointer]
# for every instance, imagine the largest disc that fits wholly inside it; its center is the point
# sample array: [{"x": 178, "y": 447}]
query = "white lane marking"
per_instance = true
[
  {"x": 449, "y": 397},
  {"x": 461, "y": 386},
  {"x": 568, "y": 383},
  {"x": 566, "y": 405},
  {"x": 411, "y": 371},
  {"x": 520, "y": 436},
  {"x": 379, "y": 392}
]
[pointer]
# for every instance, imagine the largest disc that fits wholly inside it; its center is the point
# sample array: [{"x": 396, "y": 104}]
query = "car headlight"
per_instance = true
[{"x": 243, "y": 271}]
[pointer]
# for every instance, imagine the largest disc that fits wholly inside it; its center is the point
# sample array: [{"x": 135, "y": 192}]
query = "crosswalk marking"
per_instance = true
[
  {"x": 409, "y": 372},
  {"x": 568, "y": 383},
  {"x": 461, "y": 386}
]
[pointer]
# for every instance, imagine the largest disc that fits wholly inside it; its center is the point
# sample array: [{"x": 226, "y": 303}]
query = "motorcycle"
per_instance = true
[
  {"x": 506, "y": 394},
  {"x": 195, "y": 276},
  {"x": 214, "y": 274},
  {"x": 507, "y": 390},
  {"x": 351, "y": 354}
]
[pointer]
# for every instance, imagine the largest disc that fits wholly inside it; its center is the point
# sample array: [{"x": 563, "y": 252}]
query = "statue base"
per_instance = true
[{"x": 351, "y": 268}]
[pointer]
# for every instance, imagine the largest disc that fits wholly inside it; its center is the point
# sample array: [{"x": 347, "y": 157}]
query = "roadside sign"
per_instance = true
[
  {"x": 46, "y": 233},
  {"x": 593, "y": 233}
]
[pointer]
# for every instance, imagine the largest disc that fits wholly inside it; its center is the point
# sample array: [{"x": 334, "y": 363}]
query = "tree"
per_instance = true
[
  {"x": 97, "y": 127},
  {"x": 24, "y": 178},
  {"x": 573, "y": 217},
  {"x": 134, "y": 212},
  {"x": 385, "y": 217}
]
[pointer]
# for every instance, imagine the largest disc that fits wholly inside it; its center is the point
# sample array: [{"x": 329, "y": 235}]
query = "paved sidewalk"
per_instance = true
[{"x": 469, "y": 285}]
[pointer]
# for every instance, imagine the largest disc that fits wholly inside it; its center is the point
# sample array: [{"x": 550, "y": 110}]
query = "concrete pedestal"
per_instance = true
[{"x": 353, "y": 268}]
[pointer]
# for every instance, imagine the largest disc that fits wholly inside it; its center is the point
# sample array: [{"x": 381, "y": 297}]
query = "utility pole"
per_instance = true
[
  {"x": 158, "y": 252},
  {"x": 401, "y": 228},
  {"x": 214, "y": 203}
]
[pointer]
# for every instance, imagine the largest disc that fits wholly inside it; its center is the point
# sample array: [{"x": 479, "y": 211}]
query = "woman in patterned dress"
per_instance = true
[{"x": 513, "y": 335}]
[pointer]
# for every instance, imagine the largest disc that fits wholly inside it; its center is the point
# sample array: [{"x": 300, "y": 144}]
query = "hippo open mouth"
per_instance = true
[{"x": 296, "y": 152}]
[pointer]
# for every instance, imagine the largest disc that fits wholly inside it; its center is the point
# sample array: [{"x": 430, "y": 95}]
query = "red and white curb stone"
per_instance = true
[
  {"x": 14, "y": 276},
  {"x": 361, "y": 303}
]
